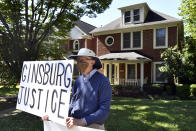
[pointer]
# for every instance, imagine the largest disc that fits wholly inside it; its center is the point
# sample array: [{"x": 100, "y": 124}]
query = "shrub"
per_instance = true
[
  {"x": 193, "y": 90},
  {"x": 183, "y": 91},
  {"x": 170, "y": 89},
  {"x": 120, "y": 90},
  {"x": 153, "y": 89}
]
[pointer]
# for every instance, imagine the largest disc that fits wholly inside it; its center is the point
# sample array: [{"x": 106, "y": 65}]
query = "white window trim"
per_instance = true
[
  {"x": 154, "y": 38},
  {"x": 139, "y": 15},
  {"x": 75, "y": 43},
  {"x": 154, "y": 73},
  {"x": 127, "y": 70},
  {"x": 132, "y": 16},
  {"x": 110, "y": 70},
  {"x": 131, "y": 43},
  {"x": 107, "y": 39}
]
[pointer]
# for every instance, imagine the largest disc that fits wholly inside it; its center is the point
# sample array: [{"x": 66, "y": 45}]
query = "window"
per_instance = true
[
  {"x": 127, "y": 16},
  {"x": 109, "y": 40},
  {"x": 137, "y": 39},
  {"x": 76, "y": 45},
  {"x": 160, "y": 38},
  {"x": 126, "y": 40},
  {"x": 136, "y": 15},
  {"x": 131, "y": 71},
  {"x": 132, "y": 40},
  {"x": 159, "y": 77}
]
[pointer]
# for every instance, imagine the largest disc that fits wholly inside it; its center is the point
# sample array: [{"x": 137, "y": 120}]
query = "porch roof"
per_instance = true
[{"x": 132, "y": 56}]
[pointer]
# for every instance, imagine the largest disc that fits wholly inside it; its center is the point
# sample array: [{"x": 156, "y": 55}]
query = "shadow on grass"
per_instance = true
[
  {"x": 5, "y": 91},
  {"x": 21, "y": 122},
  {"x": 128, "y": 114}
]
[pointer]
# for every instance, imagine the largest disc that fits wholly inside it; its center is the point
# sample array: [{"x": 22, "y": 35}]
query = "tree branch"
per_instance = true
[
  {"x": 27, "y": 20},
  {"x": 32, "y": 21},
  {"x": 45, "y": 33},
  {"x": 5, "y": 24}
]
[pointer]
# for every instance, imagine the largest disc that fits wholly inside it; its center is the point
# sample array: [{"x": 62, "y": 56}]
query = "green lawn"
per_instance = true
[
  {"x": 127, "y": 114},
  {"x": 5, "y": 91}
]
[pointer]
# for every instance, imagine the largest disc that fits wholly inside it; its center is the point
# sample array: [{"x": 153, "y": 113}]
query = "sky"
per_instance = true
[{"x": 169, "y": 7}]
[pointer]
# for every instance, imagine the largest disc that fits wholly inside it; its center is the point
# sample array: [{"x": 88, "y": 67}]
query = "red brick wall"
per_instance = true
[
  {"x": 82, "y": 43},
  {"x": 172, "y": 36},
  {"x": 71, "y": 44},
  {"x": 147, "y": 43},
  {"x": 92, "y": 44},
  {"x": 147, "y": 71},
  {"x": 148, "y": 46},
  {"x": 138, "y": 71},
  {"x": 104, "y": 49}
]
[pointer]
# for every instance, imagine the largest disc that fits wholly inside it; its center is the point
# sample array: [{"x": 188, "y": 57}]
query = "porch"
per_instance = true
[
  {"x": 126, "y": 68},
  {"x": 125, "y": 82}
]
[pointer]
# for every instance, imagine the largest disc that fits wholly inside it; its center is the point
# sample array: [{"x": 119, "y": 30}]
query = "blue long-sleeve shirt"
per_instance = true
[{"x": 91, "y": 96}]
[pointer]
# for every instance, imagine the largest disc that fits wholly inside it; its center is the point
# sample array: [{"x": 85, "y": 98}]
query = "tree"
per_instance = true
[
  {"x": 188, "y": 12},
  {"x": 24, "y": 25},
  {"x": 173, "y": 64},
  {"x": 53, "y": 48},
  {"x": 190, "y": 58}
]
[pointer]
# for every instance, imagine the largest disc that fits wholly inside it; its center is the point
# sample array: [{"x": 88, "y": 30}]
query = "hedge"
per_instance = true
[
  {"x": 183, "y": 91},
  {"x": 193, "y": 90}
]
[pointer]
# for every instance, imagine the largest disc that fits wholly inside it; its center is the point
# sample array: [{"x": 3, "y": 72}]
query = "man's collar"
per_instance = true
[{"x": 90, "y": 74}]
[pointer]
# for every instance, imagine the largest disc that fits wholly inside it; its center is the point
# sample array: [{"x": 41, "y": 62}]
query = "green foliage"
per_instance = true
[
  {"x": 188, "y": 12},
  {"x": 183, "y": 91},
  {"x": 53, "y": 49},
  {"x": 153, "y": 89},
  {"x": 173, "y": 64},
  {"x": 25, "y": 24},
  {"x": 193, "y": 90},
  {"x": 170, "y": 89},
  {"x": 5, "y": 91},
  {"x": 190, "y": 58},
  {"x": 126, "y": 113},
  {"x": 121, "y": 90},
  {"x": 6, "y": 76}
]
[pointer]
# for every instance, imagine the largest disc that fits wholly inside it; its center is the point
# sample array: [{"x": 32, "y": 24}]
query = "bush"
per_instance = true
[
  {"x": 154, "y": 89},
  {"x": 170, "y": 89},
  {"x": 193, "y": 90},
  {"x": 129, "y": 91},
  {"x": 183, "y": 91}
]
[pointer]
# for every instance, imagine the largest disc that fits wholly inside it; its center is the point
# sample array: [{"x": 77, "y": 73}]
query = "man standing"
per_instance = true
[{"x": 91, "y": 93}]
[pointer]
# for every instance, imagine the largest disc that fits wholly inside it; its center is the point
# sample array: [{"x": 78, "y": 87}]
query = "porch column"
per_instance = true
[{"x": 141, "y": 75}]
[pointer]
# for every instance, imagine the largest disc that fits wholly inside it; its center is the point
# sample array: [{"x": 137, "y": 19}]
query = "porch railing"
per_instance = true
[{"x": 126, "y": 82}]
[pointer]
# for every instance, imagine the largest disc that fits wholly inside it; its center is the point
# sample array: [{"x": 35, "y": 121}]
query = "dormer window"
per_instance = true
[
  {"x": 136, "y": 14},
  {"x": 76, "y": 45},
  {"x": 127, "y": 16},
  {"x": 132, "y": 16}
]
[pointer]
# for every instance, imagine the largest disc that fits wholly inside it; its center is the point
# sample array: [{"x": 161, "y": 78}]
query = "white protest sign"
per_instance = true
[
  {"x": 45, "y": 88},
  {"x": 52, "y": 126}
]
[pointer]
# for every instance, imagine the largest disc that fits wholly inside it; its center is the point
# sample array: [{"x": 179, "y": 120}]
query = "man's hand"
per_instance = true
[
  {"x": 45, "y": 118},
  {"x": 70, "y": 122}
]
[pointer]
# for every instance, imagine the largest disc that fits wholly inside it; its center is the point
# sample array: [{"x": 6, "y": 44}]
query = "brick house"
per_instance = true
[{"x": 130, "y": 46}]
